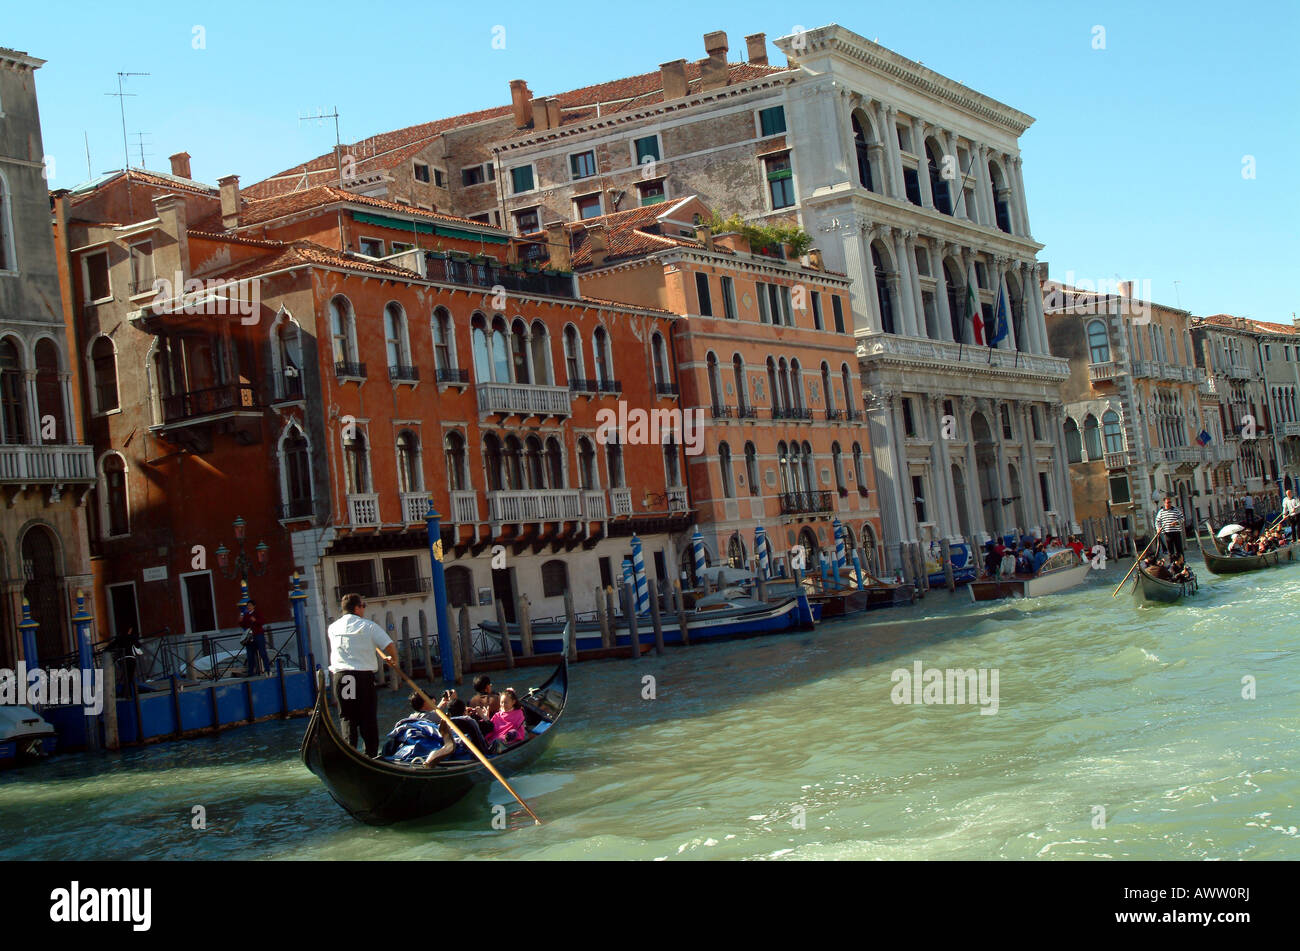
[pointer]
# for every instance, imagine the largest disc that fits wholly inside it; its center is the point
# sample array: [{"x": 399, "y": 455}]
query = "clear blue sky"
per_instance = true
[{"x": 1133, "y": 168}]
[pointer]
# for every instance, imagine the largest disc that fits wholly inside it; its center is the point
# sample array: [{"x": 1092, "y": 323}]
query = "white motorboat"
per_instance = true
[{"x": 24, "y": 734}]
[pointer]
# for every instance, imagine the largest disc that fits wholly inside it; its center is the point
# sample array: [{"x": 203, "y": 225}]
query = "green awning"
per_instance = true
[{"x": 421, "y": 227}]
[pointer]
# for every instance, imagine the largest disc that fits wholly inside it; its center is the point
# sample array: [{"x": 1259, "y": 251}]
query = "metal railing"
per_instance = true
[
  {"x": 353, "y": 369},
  {"x": 799, "y": 503},
  {"x": 211, "y": 401},
  {"x": 452, "y": 375},
  {"x": 834, "y": 414},
  {"x": 667, "y": 389},
  {"x": 792, "y": 412},
  {"x": 297, "y": 508},
  {"x": 723, "y": 412},
  {"x": 581, "y": 385},
  {"x": 610, "y": 386},
  {"x": 491, "y": 274},
  {"x": 404, "y": 373}
]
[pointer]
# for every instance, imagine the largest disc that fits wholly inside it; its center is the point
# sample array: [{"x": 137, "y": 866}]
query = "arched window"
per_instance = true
[
  {"x": 555, "y": 578},
  {"x": 444, "y": 354},
  {"x": 410, "y": 475},
  {"x": 1092, "y": 437},
  {"x": 809, "y": 467},
  {"x": 736, "y": 557},
  {"x": 295, "y": 456},
  {"x": 715, "y": 383},
  {"x": 500, "y": 351},
  {"x": 847, "y": 379},
  {"x": 586, "y": 464},
  {"x": 883, "y": 294},
  {"x": 115, "y": 507},
  {"x": 103, "y": 368},
  {"x": 514, "y": 464},
  {"x": 7, "y": 251},
  {"x": 1001, "y": 200},
  {"x": 540, "y": 345},
  {"x": 13, "y": 398},
  {"x": 493, "y": 462},
  {"x": 1114, "y": 435},
  {"x": 859, "y": 471},
  {"x": 614, "y": 463},
  {"x": 796, "y": 385},
  {"x": 455, "y": 454},
  {"x": 728, "y": 475},
  {"x": 534, "y": 469},
  {"x": 600, "y": 348},
  {"x": 938, "y": 184},
  {"x": 862, "y": 146},
  {"x": 837, "y": 464},
  {"x": 482, "y": 349},
  {"x": 554, "y": 464},
  {"x": 343, "y": 331},
  {"x": 659, "y": 358},
  {"x": 356, "y": 454},
  {"x": 287, "y": 357},
  {"x": 672, "y": 463},
  {"x": 738, "y": 377},
  {"x": 773, "y": 388},
  {"x": 520, "y": 357},
  {"x": 1073, "y": 442},
  {"x": 1098, "y": 342},
  {"x": 49, "y": 393},
  {"x": 572, "y": 355},
  {"x": 751, "y": 468}
]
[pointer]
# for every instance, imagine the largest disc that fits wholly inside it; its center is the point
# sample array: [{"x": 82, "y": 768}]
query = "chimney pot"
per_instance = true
[
  {"x": 705, "y": 234},
  {"x": 673, "y": 76},
  {"x": 713, "y": 71},
  {"x": 230, "y": 202},
  {"x": 756, "y": 48},
  {"x": 181, "y": 165},
  {"x": 596, "y": 236},
  {"x": 541, "y": 119},
  {"x": 519, "y": 96},
  {"x": 553, "y": 112},
  {"x": 715, "y": 43}
]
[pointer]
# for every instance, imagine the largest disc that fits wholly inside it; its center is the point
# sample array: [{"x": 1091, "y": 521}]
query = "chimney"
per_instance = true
[
  {"x": 756, "y": 45},
  {"x": 596, "y": 235},
  {"x": 713, "y": 71},
  {"x": 557, "y": 246},
  {"x": 1126, "y": 289},
  {"x": 815, "y": 260},
  {"x": 519, "y": 96},
  {"x": 705, "y": 234},
  {"x": 229, "y": 201},
  {"x": 181, "y": 165},
  {"x": 553, "y": 112},
  {"x": 540, "y": 118},
  {"x": 171, "y": 255},
  {"x": 673, "y": 76}
]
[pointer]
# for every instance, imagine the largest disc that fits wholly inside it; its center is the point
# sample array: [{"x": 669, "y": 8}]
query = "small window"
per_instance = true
[
  {"x": 1119, "y": 489},
  {"x": 702, "y": 291},
  {"x": 397, "y": 247},
  {"x": 439, "y": 178},
  {"x": 760, "y": 289},
  {"x": 912, "y": 185},
  {"x": 647, "y": 149},
  {"x": 477, "y": 174},
  {"x": 141, "y": 267},
  {"x": 526, "y": 221},
  {"x": 521, "y": 179},
  {"x": 104, "y": 365},
  {"x": 838, "y": 309},
  {"x": 771, "y": 121},
  {"x": 651, "y": 193},
  {"x": 372, "y": 247},
  {"x": 904, "y": 138},
  {"x": 97, "y": 285},
  {"x": 421, "y": 172},
  {"x": 981, "y": 274},
  {"x": 780, "y": 181},
  {"x": 1046, "y": 492},
  {"x": 583, "y": 164},
  {"x": 728, "y": 298},
  {"x": 909, "y": 422},
  {"x": 588, "y": 206},
  {"x": 555, "y": 579},
  {"x": 817, "y": 311}
]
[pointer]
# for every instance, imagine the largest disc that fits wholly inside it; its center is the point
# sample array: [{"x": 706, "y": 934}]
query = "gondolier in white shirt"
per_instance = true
[
  {"x": 1291, "y": 513},
  {"x": 1169, "y": 522},
  {"x": 353, "y": 665}
]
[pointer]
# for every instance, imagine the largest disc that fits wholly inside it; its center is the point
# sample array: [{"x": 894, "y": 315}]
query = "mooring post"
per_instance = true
[
  {"x": 602, "y": 617},
  {"x": 466, "y": 640},
  {"x": 611, "y": 612},
  {"x": 681, "y": 613},
  {"x": 525, "y": 624},
  {"x": 571, "y": 620},
  {"x": 629, "y": 611},
  {"x": 111, "y": 738},
  {"x": 457, "y": 655},
  {"x": 506, "y": 647},
  {"x": 656, "y": 620}
]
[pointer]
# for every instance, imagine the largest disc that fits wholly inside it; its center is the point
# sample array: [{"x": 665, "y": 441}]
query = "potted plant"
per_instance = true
[{"x": 459, "y": 256}]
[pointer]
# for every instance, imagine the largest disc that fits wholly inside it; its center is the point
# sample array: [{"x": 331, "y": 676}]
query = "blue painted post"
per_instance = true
[
  {"x": 760, "y": 547},
  {"x": 857, "y": 570},
  {"x": 840, "y": 559},
  {"x": 639, "y": 576},
  {"x": 433, "y": 521},
  {"x": 29, "y": 627},
  {"x": 298, "y": 601},
  {"x": 81, "y": 621},
  {"x": 629, "y": 578},
  {"x": 243, "y": 595},
  {"x": 697, "y": 542}
]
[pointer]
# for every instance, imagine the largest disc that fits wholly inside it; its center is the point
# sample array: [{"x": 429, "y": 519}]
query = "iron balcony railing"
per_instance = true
[
  {"x": 799, "y": 503},
  {"x": 289, "y": 386},
  {"x": 791, "y": 412},
  {"x": 610, "y": 386},
  {"x": 452, "y": 375},
  {"x": 404, "y": 373},
  {"x": 835, "y": 414},
  {"x": 297, "y": 508},
  {"x": 723, "y": 412},
  {"x": 580, "y": 385},
  {"x": 211, "y": 401},
  {"x": 345, "y": 368},
  {"x": 747, "y": 412},
  {"x": 666, "y": 389},
  {"x": 490, "y": 275},
  {"x": 393, "y": 588}
]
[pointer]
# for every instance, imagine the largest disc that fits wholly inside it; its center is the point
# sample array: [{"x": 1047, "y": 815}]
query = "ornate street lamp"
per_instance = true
[{"x": 243, "y": 566}]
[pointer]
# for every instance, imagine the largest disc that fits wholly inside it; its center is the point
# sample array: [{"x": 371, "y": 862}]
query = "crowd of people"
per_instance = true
[
  {"x": 1248, "y": 542},
  {"x": 1173, "y": 568},
  {"x": 1003, "y": 560},
  {"x": 491, "y": 721}
]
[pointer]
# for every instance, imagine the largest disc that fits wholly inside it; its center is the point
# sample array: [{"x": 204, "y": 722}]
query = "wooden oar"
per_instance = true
[
  {"x": 455, "y": 729},
  {"x": 1137, "y": 561}
]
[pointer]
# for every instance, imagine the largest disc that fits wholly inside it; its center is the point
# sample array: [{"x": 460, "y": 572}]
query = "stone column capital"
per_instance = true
[{"x": 968, "y": 405}]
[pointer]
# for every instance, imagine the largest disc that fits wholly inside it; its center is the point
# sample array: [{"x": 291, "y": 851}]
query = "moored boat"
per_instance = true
[
  {"x": 959, "y": 556},
  {"x": 378, "y": 792},
  {"x": 1060, "y": 572},
  {"x": 24, "y": 735},
  {"x": 1222, "y": 563}
]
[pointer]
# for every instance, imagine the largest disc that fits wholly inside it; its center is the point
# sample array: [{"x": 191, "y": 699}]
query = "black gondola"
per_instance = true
[
  {"x": 379, "y": 793},
  {"x": 1158, "y": 590},
  {"x": 1224, "y": 564}
]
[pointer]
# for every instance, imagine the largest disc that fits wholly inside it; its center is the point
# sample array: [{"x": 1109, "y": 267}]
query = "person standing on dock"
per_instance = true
[
  {"x": 353, "y": 665},
  {"x": 255, "y": 624},
  {"x": 1169, "y": 522}
]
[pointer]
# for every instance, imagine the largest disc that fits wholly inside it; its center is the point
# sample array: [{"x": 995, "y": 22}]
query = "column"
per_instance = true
[
  {"x": 886, "y": 443},
  {"x": 1020, "y": 204},
  {"x": 904, "y": 267},
  {"x": 889, "y": 133},
  {"x": 955, "y": 189},
  {"x": 974, "y": 502},
  {"x": 845, "y": 103},
  {"x": 1065, "y": 487},
  {"x": 922, "y": 172},
  {"x": 937, "y": 249},
  {"x": 1004, "y": 475},
  {"x": 863, "y": 291},
  {"x": 67, "y": 429},
  {"x": 862, "y": 244},
  {"x": 911, "y": 532},
  {"x": 982, "y": 191},
  {"x": 909, "y": 248},
  {"x": 970, "y": 276},
  {"x": 1035, "y": 510},
  {"x": 1034, "y": 296},
  {"x": 943, "y": 472},
  {"x": 1000, "y": 264}
]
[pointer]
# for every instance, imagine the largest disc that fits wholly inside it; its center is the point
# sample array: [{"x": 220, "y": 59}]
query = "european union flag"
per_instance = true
[{"x": 1204, "y": 438}]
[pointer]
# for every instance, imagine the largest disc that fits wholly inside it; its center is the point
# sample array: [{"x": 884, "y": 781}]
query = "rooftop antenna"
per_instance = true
[
  {"x": 126, "y": 155},
  {"x": 89, "y": 173},
  {"x": 140, "y": 145},
  {"x": 320, "y": 116}
]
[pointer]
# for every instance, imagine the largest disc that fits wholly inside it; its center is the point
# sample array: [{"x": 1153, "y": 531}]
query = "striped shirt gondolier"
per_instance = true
[{"x": 1170, "y": 520}]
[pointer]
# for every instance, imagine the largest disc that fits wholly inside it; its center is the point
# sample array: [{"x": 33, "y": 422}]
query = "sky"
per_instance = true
[{"x": 1165, "y": 147}]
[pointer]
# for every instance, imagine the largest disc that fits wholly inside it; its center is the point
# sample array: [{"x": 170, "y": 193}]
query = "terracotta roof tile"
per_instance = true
[
  {"x": 1257, "y": 326},
  {"x": 257, "y": 211},
  {"x": 306, "y": 253}
]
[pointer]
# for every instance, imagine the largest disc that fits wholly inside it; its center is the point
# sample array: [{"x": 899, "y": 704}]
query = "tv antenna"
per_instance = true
[
  {"x": 140, "y": 144},
  {"x": 319, "y": 117},
  {"x": 121, "y": 95}
]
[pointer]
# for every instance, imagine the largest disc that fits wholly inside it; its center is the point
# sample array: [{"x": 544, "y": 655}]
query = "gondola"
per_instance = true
[
  {"x": 1223, "y": 564},
  {"x": 1149, "y": 589},
  {"x": 380, "y": 793}
]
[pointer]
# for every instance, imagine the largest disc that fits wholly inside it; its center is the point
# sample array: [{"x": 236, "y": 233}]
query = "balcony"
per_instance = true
[
  {"x": 593, "y": 505},
  {"x": 464, "y": 507},
  {"x": 517, "y": 399},
  {"x": 53, "y": 464},
  {"x": 215, "y": 401},
  {"x": 581, "y": 385},
  {"x": 1145, "y": 368},
  {"x": 834, "y": 414},
  {"x": 363, "y": 509},
  {"x": 296, "y": 509},
  {"x": 553, "y": 505},
  {"x": 415, "y": 506},
  {"x": 610, "y": 386},
  {"x": 853, "y": 415},
  {"x": 491, "y": 275},
  {"x": 942, "y": 355},
  {"x": 288, "y": 385},
  {"x": 667, "y": 389},
  {"x": 807, "y": 503},
  {"x": 724, "y": 412},
  {"x": 349, "y": 370},
  {"x": 1172, "y": 372},
  {"x": 393, "y": 588},
  {"x": 1288, "y": 429},
  {"x": 621, "y": 501},
  {"x": 792, "y": 412},
  {"x": 1101, "y": 372},
  {"x": 404, "y": 374},
  {"x": 453, "y": 375},
  {"x": 677, "y": 500},
  {"x": 1233, "y": 372},
  {"x": 1119, "y": 460}
]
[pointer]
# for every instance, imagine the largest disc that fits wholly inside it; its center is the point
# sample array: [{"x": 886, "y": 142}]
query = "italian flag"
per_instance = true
[{"x": 973, "y": 314}]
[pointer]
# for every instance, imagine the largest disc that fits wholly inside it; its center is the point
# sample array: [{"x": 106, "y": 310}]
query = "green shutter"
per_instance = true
[
  {"x": 647, "y": 147},
  {"x": 772, "y": 121},
  {"x": 521, "y": 178}
]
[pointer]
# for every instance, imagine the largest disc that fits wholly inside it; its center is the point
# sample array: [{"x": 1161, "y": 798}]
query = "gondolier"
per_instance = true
[
  {"x": 353, "y": 665},
  {"x": 1169, "y": 523},
  {"x": 1291, "y": 514}
]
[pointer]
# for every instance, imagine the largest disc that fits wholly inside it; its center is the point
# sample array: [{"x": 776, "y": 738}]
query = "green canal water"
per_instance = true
[{"x": 791, "y": 747}]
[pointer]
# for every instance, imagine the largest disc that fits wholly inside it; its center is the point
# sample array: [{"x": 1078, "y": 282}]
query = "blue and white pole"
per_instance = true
[
  {"x": 638, "y": 572},
  {"x": 840, "y": 560},
  {"x": 629, "y": 578},
  {"x": 857, "y": 570},
  {"x": 29, "y": 626},
  {"x": 697, "y": 542},
  {"x": 760, "y": 546}
]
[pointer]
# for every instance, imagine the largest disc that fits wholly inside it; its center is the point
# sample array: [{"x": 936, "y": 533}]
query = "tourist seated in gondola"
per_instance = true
[
  {"x": 485, "y": 698},
  {"x": 448, "y": 746},
  {"x": 508, "y": 723},
  {"x": 1178, "y": 571}
]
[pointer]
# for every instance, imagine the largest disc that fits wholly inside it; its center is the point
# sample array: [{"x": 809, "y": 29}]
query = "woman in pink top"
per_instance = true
[{"x": 508, "y": 723}]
